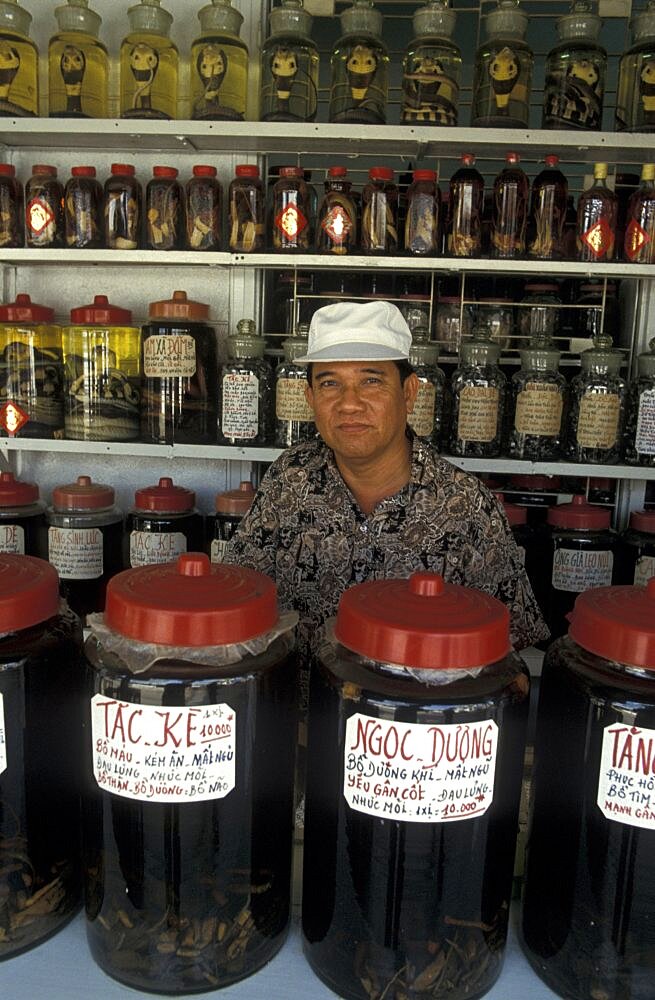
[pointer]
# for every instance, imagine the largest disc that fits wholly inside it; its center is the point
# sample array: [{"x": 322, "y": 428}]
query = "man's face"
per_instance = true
[{"x": 360, "y": 407}]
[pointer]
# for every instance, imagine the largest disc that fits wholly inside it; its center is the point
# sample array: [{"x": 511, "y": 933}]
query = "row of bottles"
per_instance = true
[{"x": 576, "y": 68}]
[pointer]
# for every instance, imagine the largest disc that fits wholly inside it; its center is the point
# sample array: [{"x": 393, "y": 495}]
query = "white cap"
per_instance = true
[{"x": 358, "y": 331}]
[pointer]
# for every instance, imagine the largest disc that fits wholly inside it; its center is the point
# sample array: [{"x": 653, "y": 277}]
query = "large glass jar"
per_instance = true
[
  {"x": 639, "y": 241},
  {"x": 454, "y": 322},
  {"x": 78, "y": 64},
  {"x": 639, "y": 437},
  {"x": 635, "y": 102},
  {"x": 188, "y": 857},
  {"x": 432, "y": 67},
  {"x": 465, "y": 207},
  {"x": 598, "y": 313},
  {"x": 503, "y": 70},
  {"x": 427, "y": 417},
  {"x": 597, "y": 217},
  {"x": 41, "y": 679},
  {"x": 380, "y": 212},
  {"x": 292, "y": 217},
  {"x": 422, "y": 221},
  {"x": 497, "y": 315},
  {"x": 586, "y": 923},
  {"x": 83, "y": 210},
  {"x": 359, "y": 68},
  {"x": 162, "y": 525},
  {"x": 336, "y": 225},
  {"x": 536, "y": 404},
  {"x": 44, "y": 208},
  {"x": 539, "y": 312},
  {"x": 289, "y": 66},
  {"x": 478, "y": 397},
  {"x": 245, "y": 210},
  {"x": 148, "y": 64},
  {"x": 408, "y": 855},
  {"x": 637, "y": 549},
  {"x": 31, "y": 370},
  {"x": 231, "y": 507},
  {"x": 123, "y": 208},
  {"x": 219, "y": 65},
  {"x": 19, "y": 86},
  {"x": 180, "y": 373},
  {"x": 575, "y": 72},
  {"x": 597, "y": 405},
  {"x": 245, "y": 390},
  {"x": 22, "y": 517},
  {"x": 102, "y": 373},
  {"x": 294, "y": 417}
]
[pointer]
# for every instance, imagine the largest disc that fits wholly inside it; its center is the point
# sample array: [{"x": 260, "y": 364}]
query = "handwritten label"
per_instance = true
[
  {"x": 644, "y": 569},
  {"x": 598, "y": 422},
  {"x": 76, "y": 553},
  {"x": 626, "y": 782},
  {"x": 421, "y": 419},
  {"x": 419, "y": 773},
  {"x": 478, "y": 413},
  {"x": 3, "y": 739},
  {"x": 290, "y": 402},
  {"x": 148, "y": 547},
  {"x": 576, "y": 571},
  {"x": 160, "y": 754},
  {"x": 12, "y": 539},
  {"x": 218, "y": 550},
  {"x": 645, "y": 437},
  {"x": 240, "y": 415},
  {"x": 169, "y": 356},
  {"x": 539, "y": 410}
]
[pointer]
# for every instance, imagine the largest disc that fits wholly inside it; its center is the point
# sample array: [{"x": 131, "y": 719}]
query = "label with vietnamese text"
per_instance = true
[
  {"x": 539, "y": 410},
  {"x": 169, "y": 356},
  {"x": 290, "y": 401},
  {"x": 576, "y": 571},
  {"x": 478, "y": 413},
  {"x": 421, "y": 419},
  {"x": 419, "y": 773},
  {"x": 218, "y": 550},
  {"x": 147, "y": 547},
  {"x": 12, "y": 539},
  {"x": 163, "y": 754},
  {"x": 645, "y": 436},
  {"x": 598, "y": 422},
  {"x": 644, "y": 570},
  {"x": 240, "y": 412},
  {"x": 76, "y": 553},
  {"x": 626, "y": 781},
  {"x": 3, "y": 738}
]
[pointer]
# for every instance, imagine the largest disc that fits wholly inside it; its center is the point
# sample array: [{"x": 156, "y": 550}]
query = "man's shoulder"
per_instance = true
[{"x": 302, "y": 455}]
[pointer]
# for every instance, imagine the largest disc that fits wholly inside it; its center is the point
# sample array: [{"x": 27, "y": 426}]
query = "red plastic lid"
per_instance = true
[
  {"x": 29, "y": 592},
  {"x": 423, "y": 622},
  {"x": 578, "y": 514},
  {"x": 83, "y": 171},
  {"x": 551, "y": 159},
  {"x": 164, "y": 497},
  {"x": 8, "y": 169},
  {"x": 191, "y": 602},
  {"x": 101, "y": 313},
  {"x": 44, "y": 168},
  {"x": 449, "y": 299},
  {"x": 15, "y": 493},
  {"x": 201, "y": 170},
  {"x": 545, "y": 484},
  {"x": 23, "y": 310},
  {"x": 425, "y": 175},
  {"x": 337, "y": 171},
  {"x": 512, "y": 157},
  {"x": 468, "y": 159},
  {"x": 617, "y": 623},
  {"x": 292, "y": 172},
  {"x": 164, "y": 172},
  {"x": 541, "y": 286},
  {"x": 82, "y": 495},
  {"x": 247, "y": 170},
  {"x": 381, "y": 173},
  {"x": 122, "y": 168},
  {"x": 236, "y": 501},
  {"x": 643, "y": 520},
  {"x": 179, "y": 307},
  {"x": 515, "y": 513}
]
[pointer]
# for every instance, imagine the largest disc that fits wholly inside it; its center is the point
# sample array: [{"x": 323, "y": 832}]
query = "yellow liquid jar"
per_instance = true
[
  {"x": 78, "y": 65},
  {"x": 19, "y": 60},
  {"x": 219, "y": 65},
  {"x": 148, "y": 64}
]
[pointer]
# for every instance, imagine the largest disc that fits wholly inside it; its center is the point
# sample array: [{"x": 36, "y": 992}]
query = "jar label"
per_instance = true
[
  {"x": 290, "y": 401},
  {"x": 636, "y": 238},
  {"x": 478, "y": 413},
  {"x": 539, "y": 410},
  {"x": 166, "y": 356},
  {"x": 38, "y": 217},
  {"x": 12, "y": 539},
  {"x": 218, "y": 550},
  {"x": 290, "y": 221},
  {"x": 3, "y": 738},
  {"x": 598, "y": 422},
  {"x": 148, "y": 547},
  {"x": 419, "y": 773},
  {"x": 576, "y": 571},
  {"x": 163, "y": 754},
  {"x": 240, "y": 413},
  {"x": 645, "y": 436},
  {"x": 644, "y": 569},
  {"x": 599, "y": 238},
  {"x": 337, "y": 224},
  {"x": 626, "y": 780},
  {"x": 76, "y": 553},
  {"x": 421, "y": 419}
]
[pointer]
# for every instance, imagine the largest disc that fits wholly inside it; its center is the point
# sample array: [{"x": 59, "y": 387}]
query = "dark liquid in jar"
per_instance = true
[
  {"x": 22, "y": 533},
  {"x": 219, "y": 528},
  {"x": 601, "y": 573},
  {"x": 188, "y": 524},
  {"x": 88, "y": 596}
]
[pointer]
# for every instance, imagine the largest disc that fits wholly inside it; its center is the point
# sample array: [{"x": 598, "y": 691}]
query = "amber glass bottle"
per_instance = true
[
  {"x": 465, "y": 206},
  {"x": 548, "y": 212},
  {"x": 597, "y": 213},
  {"x": 336, "y": 230},
  {"x": 510, "y": 210},
  {"x": 639, "y": 243}
]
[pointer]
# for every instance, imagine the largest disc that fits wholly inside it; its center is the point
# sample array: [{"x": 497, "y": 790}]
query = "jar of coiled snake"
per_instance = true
[
  {"x": 162, "y": 525},
  {"x": 41, "y": 679},
  {"x": 188, "y": 861},
  {"x": 102, "y": 373}
]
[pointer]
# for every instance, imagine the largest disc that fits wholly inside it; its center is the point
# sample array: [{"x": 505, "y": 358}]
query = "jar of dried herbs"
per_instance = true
[
  {"x": 291, "y": 215},
  {"x": 245, "y": 387},
  {"x": 246, "y": 210},
  {"x": 41, "y": 677},
  {"x": 189, "y": 763},
  {"x": 597, "y": 405},
  {"x": 380, "y": 212},
  {"x": 294, "y": 417},
  {"x": 83, "y": 209},
  {"x": 427, "y": 417},
  {"x": 44, "y": 208},
  {"x": 586, "y": 924},
  {"x": 478, "y": 399},
  {"x": 165, "y": 211},
  {"x": 123, "y": 204},
  {"x": 639, "y": 438},
  {"x": 417, "y": 718},
  {"x": 231, "y": 507},
  {"x": 536, "y": 404},
  {"x": 204, "y": 206}
]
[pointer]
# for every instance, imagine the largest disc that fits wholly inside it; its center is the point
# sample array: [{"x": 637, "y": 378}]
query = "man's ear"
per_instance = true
[
  {"x": 410, "y": 391},
  {"x": 309, "y": 395}
]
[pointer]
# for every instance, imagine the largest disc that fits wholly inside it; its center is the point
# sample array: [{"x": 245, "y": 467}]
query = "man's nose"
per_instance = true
[{"x": 350, "y": 398}]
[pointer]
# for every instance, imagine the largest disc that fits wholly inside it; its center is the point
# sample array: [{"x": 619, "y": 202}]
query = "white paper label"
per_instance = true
[
  {"x": 218, "y": 550},
  {"x": 3, "y": 741},
  {"x": 76, "y": 553},
  {"x": 168, "y": 356},
  {"x": 240, "y": 416},
  {"x": 162, "y": 754},
  {"x": 644, "y": 569},
  {"x": 576, "y": 571},
  {"x": 148, "y": 547},
  {"x": 12, "y": 539},
  {"x": 419, "y": 773},
  {"x": 626, "y": 782},
  {"x": 645, "y": 437}
]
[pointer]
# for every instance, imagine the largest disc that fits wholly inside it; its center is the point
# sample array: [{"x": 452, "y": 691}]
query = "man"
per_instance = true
[{"x": 366, "y": 499}]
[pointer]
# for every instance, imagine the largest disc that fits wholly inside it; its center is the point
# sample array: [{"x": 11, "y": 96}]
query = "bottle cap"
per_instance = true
[
  {"x": 14, "y": 17},
  {"x": 23, "y": 310},
  {"x": 506, "y": 20},
  {"x": 165, "y": 497},
  {"x": 292, "y": 172},
  {"x": 179, "y": 307},
  {"x": 83, "y": 171},
  {"x": 579, "y": 514},
  {"x": 617, "y": 623},
  {"x": 641, "y": 520},
  {"x": 148, "y": 16},
  {"x": 435, "y": 18},
  {"x": 201, "y": 170},
  {"x": 362, "y": 18},
  {"x": 337, "y": 172},
  {"x": 581, "y": 23},
  {"x": 220, "y": 15},
  {"x": 245, "y": 343},
  {"x": 44, "y": 170},
  {"x": 15, "y": 493},
  {"x": 467, "y": 159},
  {"x": 425, "y": 175},
  {"x": 82, "y": 495},
  {"x": 246, "y": 170},
  {"x": 551, "y": 159},
  {"x": 170, "y": 172},
  {"x": 512, "y": 157},
  {"x": 290, "y": 18},
  {"x": 7, "y": 169},
  {"x": 29, "y": 592},
  {"x": 381, "y": 173},
  {"x": 123, "y": 168},
  {"x": 77, "y": 16},
  {"x": 101, "y": 313}
]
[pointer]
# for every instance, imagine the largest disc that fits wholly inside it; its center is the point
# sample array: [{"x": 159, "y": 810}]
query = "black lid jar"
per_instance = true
[
  {"x": 84, "y": 535},
  {"x": 231, "y": 507},
  {"x": 40, "y": 738},
  {"x": 22, "y": 517},
  {"x": 416, "y": 733},
  {"x": 162, "y": 525},
  {"x": 192, "y": 727},
  {"x": 587, "y": 924}
]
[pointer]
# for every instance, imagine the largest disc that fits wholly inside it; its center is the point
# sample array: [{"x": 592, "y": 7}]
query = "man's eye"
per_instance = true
[{"x": 327, "y": 383}]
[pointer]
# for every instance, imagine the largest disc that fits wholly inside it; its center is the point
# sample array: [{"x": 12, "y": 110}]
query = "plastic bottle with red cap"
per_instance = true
[
  {"x": 379, "y": 225},
  {"x": 417, "y": 720},
  {"x": 193, "y": 674},
  {"x": 465, "y": 208},
  {"x": 163, "y": 524},
  {"x": 22, "y": 517},
  {"x": 292, "y": 212},
  {"x": 336, "y": 226},
  {"x": 547, "y": 215},
  {"x": 509, "y": 209},
  {"x": 422, "y": 237},
  {"x": 41, "y": 689},
  {"x": 44, "y": 209},
  {"x": 586, "y": 923},
  {"x": 245, "y": 210},
  {"x": 12, "y": 212},
  {"x": 83, "y": 221},
  {"x": 204, "y": 209},
  {"x": 123, "y": 208},
  {"x": 231, "y": 507},
  {"x": 165, "y": 210}
]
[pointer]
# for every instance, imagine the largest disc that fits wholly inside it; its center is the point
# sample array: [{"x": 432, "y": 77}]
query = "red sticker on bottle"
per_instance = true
[
  {"x": 12, "y": 418},
  {"x": 290, "y": 221},
  {"x": 38, "y": 215},
  {"x": 636, "y": 239},
  {"x": 337, "y": 224},
  {"x": 599, "y": 238}
]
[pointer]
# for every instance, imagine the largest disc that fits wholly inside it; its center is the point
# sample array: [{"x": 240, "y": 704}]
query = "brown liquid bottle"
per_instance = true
[
  {"x": 510, "y": 210},
  {"x": 548, "y": 212},
  {"x": 597, "y": 213},
  {"x": 465, "y": 209}
]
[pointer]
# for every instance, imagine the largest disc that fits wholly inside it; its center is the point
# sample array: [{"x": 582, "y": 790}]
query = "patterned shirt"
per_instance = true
[{"x": 306, "y": 531}]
